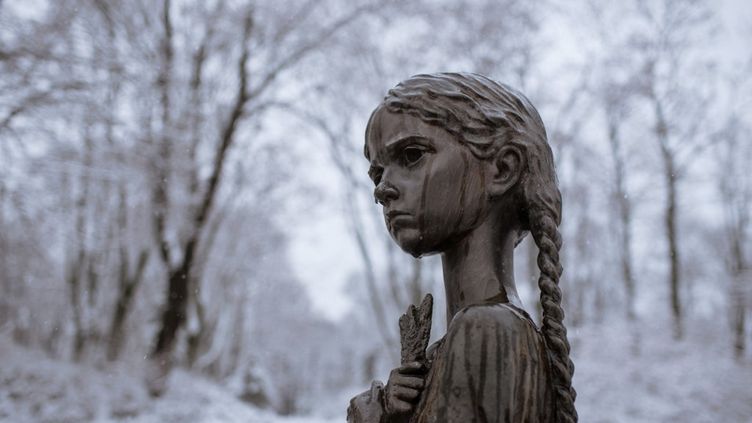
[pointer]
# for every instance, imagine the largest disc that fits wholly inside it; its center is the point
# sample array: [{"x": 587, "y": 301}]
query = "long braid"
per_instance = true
[{"x": 547, "y": 238}]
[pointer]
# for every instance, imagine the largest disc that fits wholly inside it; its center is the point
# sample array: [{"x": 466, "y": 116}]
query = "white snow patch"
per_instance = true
[{"x": 35, "y": 388}]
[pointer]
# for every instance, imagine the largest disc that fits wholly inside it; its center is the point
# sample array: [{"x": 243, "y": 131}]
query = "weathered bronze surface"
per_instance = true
[{"x": 462, "y": 168}]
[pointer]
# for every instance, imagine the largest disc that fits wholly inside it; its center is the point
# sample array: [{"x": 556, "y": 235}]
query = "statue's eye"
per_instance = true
[{"x": 412, "y": 154}]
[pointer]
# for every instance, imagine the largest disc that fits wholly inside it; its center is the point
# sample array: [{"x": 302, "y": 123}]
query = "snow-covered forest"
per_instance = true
[{"x": 188, "y": 234}]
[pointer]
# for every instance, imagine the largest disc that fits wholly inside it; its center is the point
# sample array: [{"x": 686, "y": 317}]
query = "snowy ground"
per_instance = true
[
  {"x": 35, "y": 389},
  {"x": 691, "y": 381},
  {"x": 695, "y": 380}
]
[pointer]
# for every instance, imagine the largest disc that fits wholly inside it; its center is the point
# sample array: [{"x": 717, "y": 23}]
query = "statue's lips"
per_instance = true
[{"x": 399, "y": 219}]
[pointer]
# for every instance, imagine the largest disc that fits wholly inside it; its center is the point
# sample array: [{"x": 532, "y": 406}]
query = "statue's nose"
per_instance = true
[{"x": 385, "y": 192}]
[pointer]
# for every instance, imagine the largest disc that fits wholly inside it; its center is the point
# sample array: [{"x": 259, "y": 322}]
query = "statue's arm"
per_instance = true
[
  {"x": 368, "y": 407},
  {"x": 405, "y": 382}
]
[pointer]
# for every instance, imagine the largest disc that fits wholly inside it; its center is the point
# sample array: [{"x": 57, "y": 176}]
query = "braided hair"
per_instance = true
[{"x": 484, "y": 116}]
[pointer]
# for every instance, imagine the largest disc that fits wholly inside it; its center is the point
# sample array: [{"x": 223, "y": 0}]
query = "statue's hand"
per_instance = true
[{"x": 403, "y": 390}]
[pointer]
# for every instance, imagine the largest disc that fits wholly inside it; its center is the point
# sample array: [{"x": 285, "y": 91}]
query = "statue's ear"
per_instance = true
[{"x": 506, "y": 170}]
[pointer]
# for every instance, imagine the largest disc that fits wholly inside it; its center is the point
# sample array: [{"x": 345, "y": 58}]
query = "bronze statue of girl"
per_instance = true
[{"x": 462, "y": 168}]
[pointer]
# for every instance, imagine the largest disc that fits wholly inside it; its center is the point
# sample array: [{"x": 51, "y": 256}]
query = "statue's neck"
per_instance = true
[{"x": 478, "y": 267}]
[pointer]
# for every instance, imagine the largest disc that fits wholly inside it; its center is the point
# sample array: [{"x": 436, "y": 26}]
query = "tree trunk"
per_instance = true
[
  {"x": 128, "y": 287},
  {"x": 735, "y": 153},
  {"x": 174, "y": 313},
  {"x": 673, "y": 247},
  {"x": 671, "y": 213},
  {"x": 625, "y": 218},
  {"x": 576, "y": 307},
  {"x": 738, "y": 295},
  {"x": 739, "y": 318},
  {"x": 76, "y": 272},
  {"x": 74, "y": 285},
  {"x": 118, "y": 320},
  {"x": 7, "y": 300}
]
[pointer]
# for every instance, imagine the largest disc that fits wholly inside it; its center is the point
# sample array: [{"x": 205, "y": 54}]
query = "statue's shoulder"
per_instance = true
[
  {"x": 492, "y": 317},
  {"x": 491, "y": 365},
  {"x": 499, "y": 333}
]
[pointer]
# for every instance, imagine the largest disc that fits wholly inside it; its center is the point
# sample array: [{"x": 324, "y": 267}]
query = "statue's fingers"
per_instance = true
[
  {"x": 409, "y": 381},
  {"x": 405, "y": 393},
  {"x": 403, "y": 324},
  {"x": 394, "y": 373},
  {"x": 399, "y": 406},
  {"x": 412, "y": 368}
]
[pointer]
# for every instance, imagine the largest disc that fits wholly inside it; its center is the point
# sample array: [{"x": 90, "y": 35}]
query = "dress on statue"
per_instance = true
[{"x": 491, "y": 366}]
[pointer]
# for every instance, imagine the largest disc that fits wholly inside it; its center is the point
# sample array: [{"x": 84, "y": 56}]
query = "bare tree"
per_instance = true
[
  {"x": 129, "y": 278},
  {"x": 734, "y": 153},
  {"x": 670, "y": 33},
  {"x": 614, "y": 92},
  {"x": 615, "y": 114},
  {"x": 285, "y": 51}
]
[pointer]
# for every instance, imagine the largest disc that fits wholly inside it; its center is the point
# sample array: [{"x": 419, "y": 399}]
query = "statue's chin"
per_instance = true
[
  {"x": 420, "y": 244},
  {"x": 413, "y": 242},
  {"x": 409, "y": 240}
]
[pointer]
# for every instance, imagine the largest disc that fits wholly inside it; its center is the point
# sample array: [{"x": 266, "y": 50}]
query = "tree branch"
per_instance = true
[
  {"x": 161, "y": 166},
  {"x": 305, "y": 49}
]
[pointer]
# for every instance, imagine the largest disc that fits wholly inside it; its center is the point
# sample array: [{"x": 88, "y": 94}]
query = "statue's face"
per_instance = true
[{"x": 432, "y": 189}]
